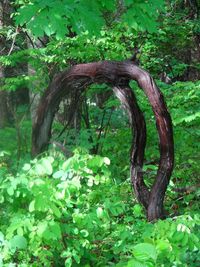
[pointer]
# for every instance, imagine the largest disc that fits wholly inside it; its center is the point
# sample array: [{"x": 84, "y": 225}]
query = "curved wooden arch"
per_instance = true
[{"x": 117, "y": 75}]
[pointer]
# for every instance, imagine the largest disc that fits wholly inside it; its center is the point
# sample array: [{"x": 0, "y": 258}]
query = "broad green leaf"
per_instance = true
[
  {"x": 41, "y": 227},
  {"x": 26, "y": 167},
  {"x": 163, "y": 245},
  {"x": 76, "y": 257},
  {"x": 178, "y": 236},
  {"x": 39, "y": 169},
  {"x": 68, "y": 262},
  {"x": 18, "y": 242},
  {"x": 55, "y": 210},
  {"x": 109, "y": 4},
  {"x": 144, "y": 251},
  {"x": 41, "y": 203},
  {"x": 10, "y": 191},
  {"x": 55, "y": 229},
  {"x": 183, "y": 228},
  {"x": 58, "y": 174},
  {"x": 96, "y": 161},
  {"x": 99, "y": 212},
  {"x": 26, "y": 13},
  {"x": 137, "y": 210},
  {"x": 67, "y": 164},
  {"x": 46, "y": 163},
  {"x": 52, "y": 231}
]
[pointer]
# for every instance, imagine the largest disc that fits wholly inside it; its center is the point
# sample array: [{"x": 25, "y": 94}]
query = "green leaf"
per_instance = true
[
  {"x": 68, "y": 262},
  {"x": 26, "y": 13},
  {"x": 188, "y": 118},
  {"x": 58, "y": 174},
  {"x": 55, "y": 210},
  {"x": 18, "y": 242},
  {"x": 46, "y": 163},
  {"x": 41, "y": 227},
  {"x": 137, "y": 210},
  {"x": 84, "y": 233},
  {"x": 55, "y": 229},
  {"x": 106, "y": 160},
  {"x": 39, "y": 169},
  {"x": 163, "y": 245},
  {"x": 10, "y": 191},
  {"x": 26, "y": 167},
  {"x": 135, "y": 263},
  {"x": 99, "y": 212},
  {"x": 41, "y": 203},
  {"x": 96, "y": 161},
  {"x": 76, "y": 257},
  {"x": 32, "y": 206},
  {"x": 1, "y": 238},
  {"x": 109, "y": 4},
  {"x": 90, "y": 182},
  {"x": 67, "y": 164},
  {"x": 145, "y": 251}
]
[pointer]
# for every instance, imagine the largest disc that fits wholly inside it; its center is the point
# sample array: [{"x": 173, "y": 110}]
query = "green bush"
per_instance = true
[{"x": 72, "y": 213}]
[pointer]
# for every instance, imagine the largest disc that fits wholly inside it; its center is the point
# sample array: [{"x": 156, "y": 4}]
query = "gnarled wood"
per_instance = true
[
  {"x": 128, "y": 100},
  {"x": 117, "y": 75}
]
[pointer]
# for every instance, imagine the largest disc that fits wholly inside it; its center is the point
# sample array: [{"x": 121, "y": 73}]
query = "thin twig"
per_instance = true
[
  {"x": 100, "y": 132},
  {"x": 2, "y": 50},
  {"x": 72, "y": 114},
  {"x": 42, "y": 42},
  {"x": 13, "y": 42},
  {"x": 30, "y": 40}
]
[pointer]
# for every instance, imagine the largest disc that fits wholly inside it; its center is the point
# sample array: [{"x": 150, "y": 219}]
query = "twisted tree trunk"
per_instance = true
[
  {"x": 128, "y": 100},
  {"x": 117, "y": 75}
]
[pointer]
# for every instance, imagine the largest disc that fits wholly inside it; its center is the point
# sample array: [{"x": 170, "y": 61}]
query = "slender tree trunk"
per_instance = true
[
  {"x": 4, "y": 113},
  {"x": 9, "y": 100},
  {"x": 33, "y": 96}
]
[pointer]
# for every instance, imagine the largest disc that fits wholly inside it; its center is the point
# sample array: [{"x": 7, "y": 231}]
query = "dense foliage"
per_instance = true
[
  {"x": 73, "y": 205},
  {"x": 72, "y": 212}
]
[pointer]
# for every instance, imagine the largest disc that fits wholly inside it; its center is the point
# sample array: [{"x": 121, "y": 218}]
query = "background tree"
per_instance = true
[{"x": 4, "y": 110}]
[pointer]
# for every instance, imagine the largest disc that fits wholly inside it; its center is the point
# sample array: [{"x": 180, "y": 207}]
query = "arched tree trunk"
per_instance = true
[{"x": 117, "y": 75}]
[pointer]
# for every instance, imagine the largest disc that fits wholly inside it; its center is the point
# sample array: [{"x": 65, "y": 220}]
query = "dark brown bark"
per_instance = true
[
  {"x": 129, "y": 102},
  {"x": 117, "y": 75},
  {"x": 164, "y": 127},
  {"x": 4, "y": 114},
  {"x": 4, "y": 111}
]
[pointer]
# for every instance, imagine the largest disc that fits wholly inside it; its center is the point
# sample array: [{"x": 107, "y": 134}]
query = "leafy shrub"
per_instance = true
[{"x": 72, "y": 213}]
